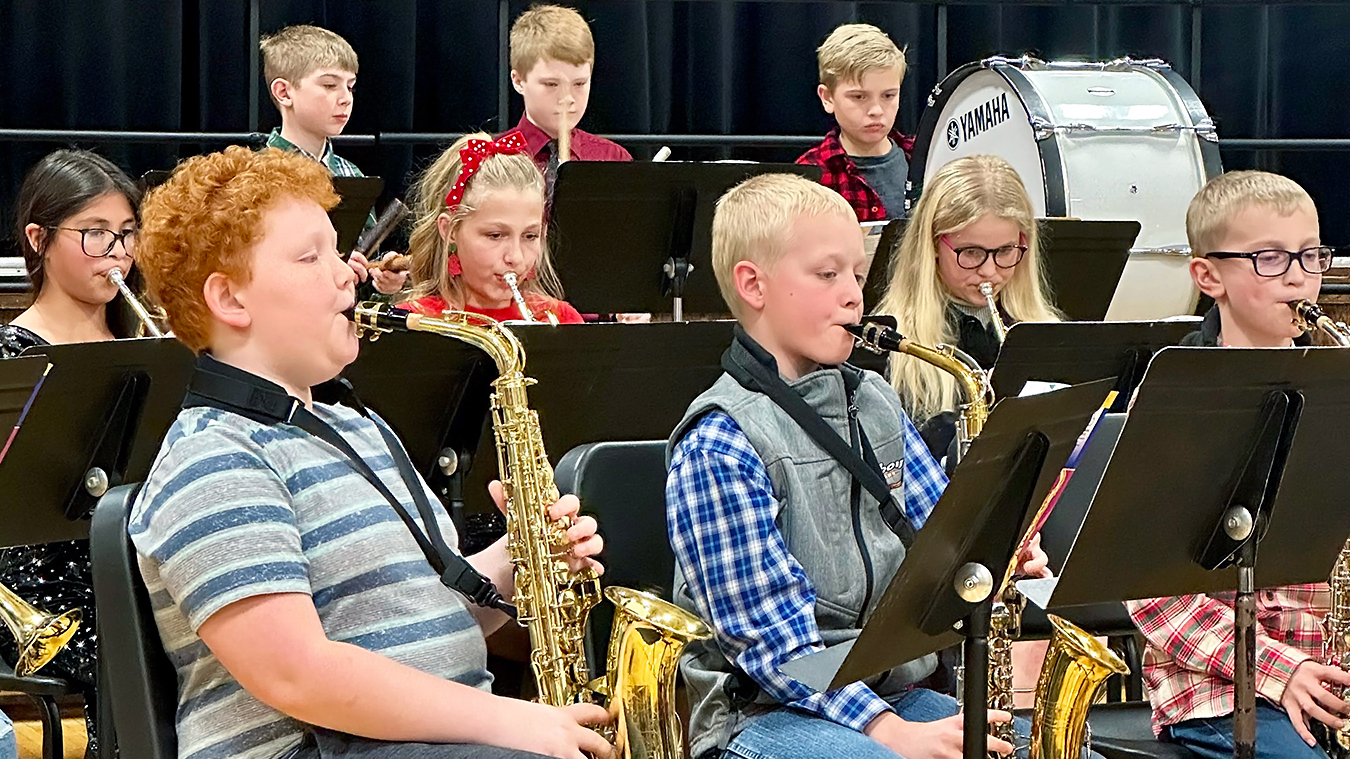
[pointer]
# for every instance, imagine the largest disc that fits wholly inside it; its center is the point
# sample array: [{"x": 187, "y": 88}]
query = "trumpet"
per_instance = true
[
  {"x": 1000, "y": 329},
  {"x": 525, "y": 314},
  {"x": 1307, "y": 317},
  {"x": 38, "y": 635},
  {"x": 115, "y": 277}
]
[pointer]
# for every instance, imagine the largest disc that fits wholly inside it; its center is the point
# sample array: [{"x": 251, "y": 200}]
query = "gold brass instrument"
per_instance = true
[
  {"x": 1076, "y": 665},
  {"x": 1000, "y": 329},
  {"x": 552, "y": 600},
  {"x": 1307, "y": 317},
  {"x": 38, "y": 635},
  {"x": 1075, "y": 670},
  {"x": 1336, "y": 650},
  {"x": 147, "y": 322},
  {"x": 977, "y": 395},
  {"x": 525, "y": 315}
]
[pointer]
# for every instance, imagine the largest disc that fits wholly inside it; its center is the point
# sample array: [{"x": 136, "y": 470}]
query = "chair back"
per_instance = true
[{"x": 139, "y": 680}]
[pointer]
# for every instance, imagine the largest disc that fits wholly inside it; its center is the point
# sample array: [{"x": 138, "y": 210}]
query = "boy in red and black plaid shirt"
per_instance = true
[
  {"x": 1256, "y": 246},
  {"x": 863, "y": 158}
]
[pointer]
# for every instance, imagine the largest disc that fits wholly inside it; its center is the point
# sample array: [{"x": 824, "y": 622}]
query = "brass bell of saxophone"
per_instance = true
[
  {"x": 1076, "y": 668},
  {"x": 1307, "y": 317},
  {"x": 39, "y": 635},
  {"x": 1000, "y": 329}
]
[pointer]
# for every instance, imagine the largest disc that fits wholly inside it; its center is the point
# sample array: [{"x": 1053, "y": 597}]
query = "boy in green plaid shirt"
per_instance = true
[{"x": 311, "y": 74}]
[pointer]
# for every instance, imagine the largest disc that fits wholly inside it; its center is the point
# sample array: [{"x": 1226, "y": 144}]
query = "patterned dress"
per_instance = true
[{"x": 53, "y": 577}]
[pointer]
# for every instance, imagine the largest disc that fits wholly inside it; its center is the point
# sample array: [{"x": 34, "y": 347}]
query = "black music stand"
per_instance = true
[
  {"x": 1075, "y": 352},
  {"x": 356, "y": 208},
  {"x": 1083, "y": 263},
  {"x": 637, "y": 237},
  {"x": 945, "y": 587},
  {"x": 1222, "y": 450},
  {"x": 98, "y": 422}
]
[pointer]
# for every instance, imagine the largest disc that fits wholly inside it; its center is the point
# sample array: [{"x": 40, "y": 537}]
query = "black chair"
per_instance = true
[
  {"x": 139, "y": 682},
  {"x": 624, "y": 485},
  {"x": 43, "y": 691}
]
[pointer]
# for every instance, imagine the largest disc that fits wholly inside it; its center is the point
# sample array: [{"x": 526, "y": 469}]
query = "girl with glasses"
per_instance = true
[
  {"x": 76, "y": 220},
  {"x": 974, "y": 224}
]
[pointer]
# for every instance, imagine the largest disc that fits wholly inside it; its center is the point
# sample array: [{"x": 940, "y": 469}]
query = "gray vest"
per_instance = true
[{"x": 816, "y": 520}]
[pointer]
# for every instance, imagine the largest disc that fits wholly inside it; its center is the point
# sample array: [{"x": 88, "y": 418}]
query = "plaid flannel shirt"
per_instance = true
[
  {"x": 336, "y": 165},
  {"x": 721, "y": 515},
  {"x": 840, "y": 173},
  {"x": 1188, "y": 665}
]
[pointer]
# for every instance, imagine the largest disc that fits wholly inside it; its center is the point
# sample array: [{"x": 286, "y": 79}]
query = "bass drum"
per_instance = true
[{"x": 1123, "y": 140}]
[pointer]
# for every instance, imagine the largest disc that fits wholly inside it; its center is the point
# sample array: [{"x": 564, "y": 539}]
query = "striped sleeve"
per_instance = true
[{"x": 217, "y": 522}]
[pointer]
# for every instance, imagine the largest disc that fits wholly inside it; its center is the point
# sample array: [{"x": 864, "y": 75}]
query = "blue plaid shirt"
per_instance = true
[{"x": 721, "y": 514}]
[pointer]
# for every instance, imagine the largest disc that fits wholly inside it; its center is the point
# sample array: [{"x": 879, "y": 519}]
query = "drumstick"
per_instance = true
[
  {"x": 396, "y": 263},
  {"x": 564, "y": 133}
]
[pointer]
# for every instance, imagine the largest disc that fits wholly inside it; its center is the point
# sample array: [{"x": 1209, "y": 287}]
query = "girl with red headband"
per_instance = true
[{"x": 480, "y": 216}]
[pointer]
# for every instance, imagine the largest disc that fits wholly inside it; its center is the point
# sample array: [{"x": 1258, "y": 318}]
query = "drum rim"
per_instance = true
[{"x": 1037, "y": 109}]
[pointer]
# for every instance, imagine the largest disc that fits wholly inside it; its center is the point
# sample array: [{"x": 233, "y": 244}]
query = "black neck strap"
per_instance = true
[
  {"x": 756, "y": 370},
  {"x": 218, "y": 385}
]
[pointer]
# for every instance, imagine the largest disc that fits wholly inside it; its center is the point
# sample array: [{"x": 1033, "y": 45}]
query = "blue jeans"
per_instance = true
[
  {"x": 1212, "y": 738},
  {"x": 789, "y": 733},
  {"x": 9, "y": 749}
]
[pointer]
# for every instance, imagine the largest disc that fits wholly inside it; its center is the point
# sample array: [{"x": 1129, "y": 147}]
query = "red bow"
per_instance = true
[{"x": 472, "y": 155}]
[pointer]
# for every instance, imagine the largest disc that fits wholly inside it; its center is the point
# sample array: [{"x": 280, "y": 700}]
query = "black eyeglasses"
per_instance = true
[
  {"x": 97, "y": 242},
  {"x": 1274, "y": 262},
  {"x": 973, "y": 256}
]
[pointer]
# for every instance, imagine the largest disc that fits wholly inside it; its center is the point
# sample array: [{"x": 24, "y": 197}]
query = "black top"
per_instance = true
[
  {"x": 14, "y": 339},
  {"x": 1208, "y": 334}
]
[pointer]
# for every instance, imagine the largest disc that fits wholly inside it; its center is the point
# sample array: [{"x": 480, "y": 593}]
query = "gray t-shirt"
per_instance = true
[
  {"x": 234, "y": 509},
  {"x": 887, "y": 175}
]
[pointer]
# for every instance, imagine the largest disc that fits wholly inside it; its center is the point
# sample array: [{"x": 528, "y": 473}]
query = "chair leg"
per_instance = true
[{"x": 53, "y": 743}]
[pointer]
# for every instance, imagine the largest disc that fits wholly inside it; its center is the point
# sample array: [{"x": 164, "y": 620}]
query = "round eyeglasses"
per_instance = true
[
  {"x": 974, "y": 256},
  {"x": 97, "y": 242},
  {"x": 1274, "y": 262}
]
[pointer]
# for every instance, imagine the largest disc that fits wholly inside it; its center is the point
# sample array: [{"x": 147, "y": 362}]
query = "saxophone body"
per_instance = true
[
  {"x": 552, "y": 601},
  {"x": 1076, "y": 665},
  {"x": 1336, "y": 650}
]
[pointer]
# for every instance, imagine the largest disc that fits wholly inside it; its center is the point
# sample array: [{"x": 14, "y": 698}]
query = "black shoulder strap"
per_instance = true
[
  {"x": 217, "y": 385},
  {"x": 755, "y": 370}
]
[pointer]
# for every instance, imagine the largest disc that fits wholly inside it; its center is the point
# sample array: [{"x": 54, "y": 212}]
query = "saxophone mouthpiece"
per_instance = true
[{"x": 877, "y": 334}]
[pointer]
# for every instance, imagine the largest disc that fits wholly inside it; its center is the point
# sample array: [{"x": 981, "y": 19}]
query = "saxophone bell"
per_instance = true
[
  {"x": 147, "y": 322},
  {"x": 1308, "y": 317}
]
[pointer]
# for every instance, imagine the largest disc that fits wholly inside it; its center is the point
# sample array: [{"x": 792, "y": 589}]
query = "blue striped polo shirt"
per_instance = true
[{"x": 234, "y": 509}]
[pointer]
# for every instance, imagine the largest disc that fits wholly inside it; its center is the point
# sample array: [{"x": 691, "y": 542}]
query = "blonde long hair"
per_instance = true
[
  {"x": 430, "y": 252},
  {"x": 960, "y": 193}
]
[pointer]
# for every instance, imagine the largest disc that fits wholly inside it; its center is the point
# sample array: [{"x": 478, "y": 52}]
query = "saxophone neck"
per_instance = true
[
  {"x": 1308, "y": 317},
  {"x": 996, "y": 318},
  {"x": 482, "y": 332}
]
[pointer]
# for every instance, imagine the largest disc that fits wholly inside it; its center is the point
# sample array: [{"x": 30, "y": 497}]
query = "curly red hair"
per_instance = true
[{"x": 207, "y": 218}]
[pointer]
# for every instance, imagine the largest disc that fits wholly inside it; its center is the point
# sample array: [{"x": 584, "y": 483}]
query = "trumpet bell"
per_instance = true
[{"x": 40, "y": 636}]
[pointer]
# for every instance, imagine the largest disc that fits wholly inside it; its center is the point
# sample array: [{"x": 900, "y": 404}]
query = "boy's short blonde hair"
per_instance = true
[
  {"x": 207, "y": 217},
  {"x": 853, "y": 50},
  {"x": 550, "y": 32},
  {"x": 295, "y": 52},
  {"x": 753, "y": 222},
  {"x": 1225, "y": 195}
]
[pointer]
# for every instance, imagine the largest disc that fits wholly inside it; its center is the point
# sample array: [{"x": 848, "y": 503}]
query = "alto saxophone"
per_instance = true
[
  {"x": 1076, "y": 665},
  {"x": 1336, "y": 650},
  {"x": 1307, "y": 317},
  {"x": 552, "y": 600}
]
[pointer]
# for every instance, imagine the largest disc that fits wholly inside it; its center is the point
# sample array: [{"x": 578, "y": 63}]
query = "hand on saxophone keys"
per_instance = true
[
  {"x": 1307, "y": 697},
  {"x": 583, "y": 540}
]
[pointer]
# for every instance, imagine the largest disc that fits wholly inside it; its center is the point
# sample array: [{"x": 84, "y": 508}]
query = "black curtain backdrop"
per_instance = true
[{"x": 676, "y": 67}]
